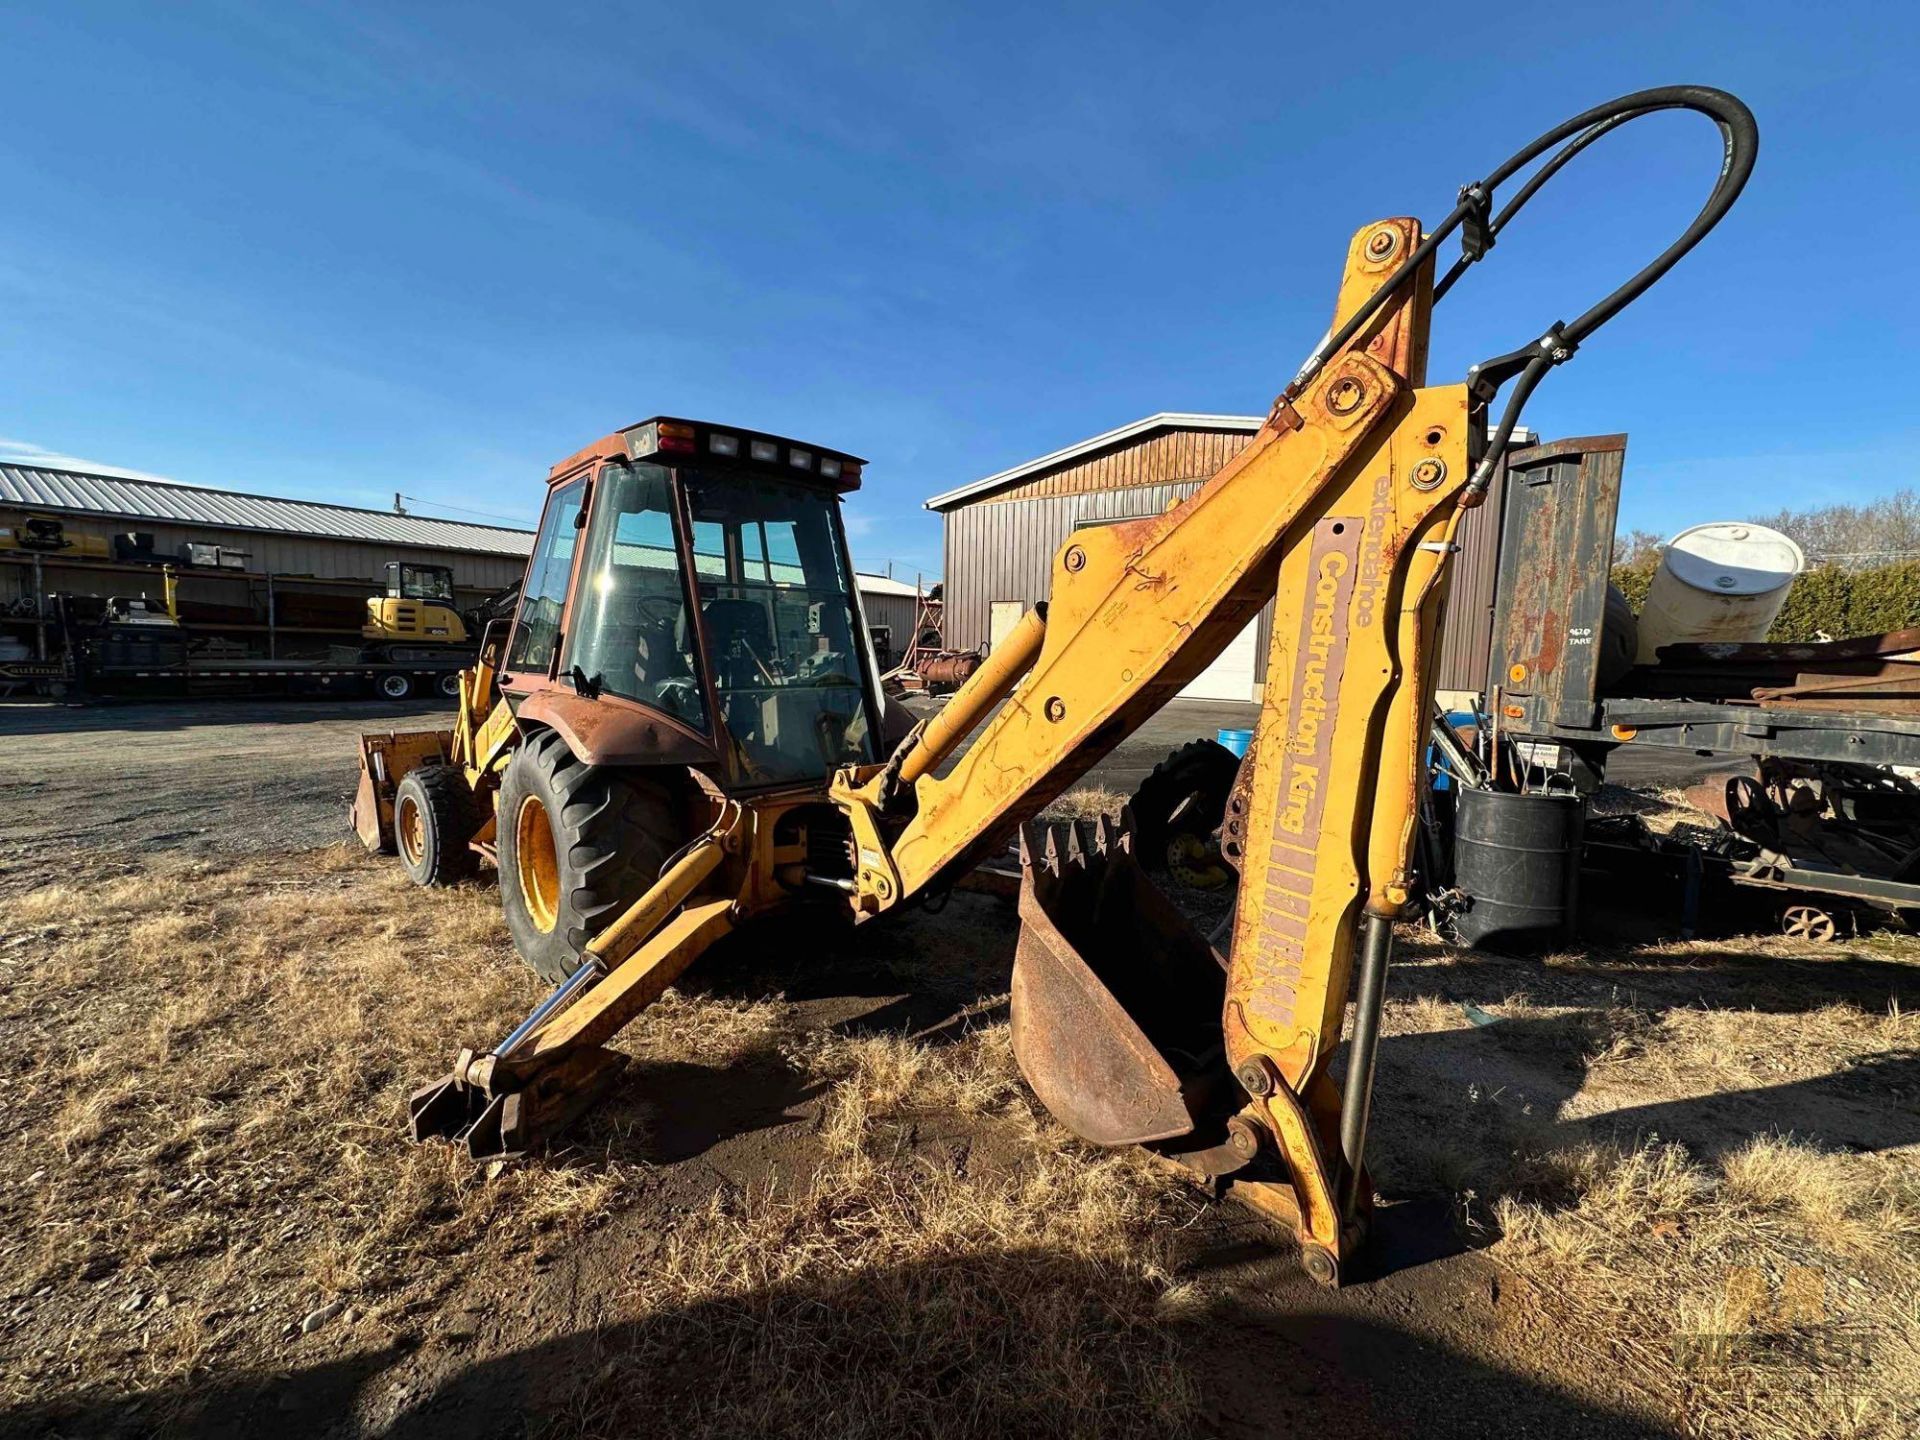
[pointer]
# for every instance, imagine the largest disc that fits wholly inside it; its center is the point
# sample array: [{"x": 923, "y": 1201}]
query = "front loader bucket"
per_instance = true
[
  {"x": 385, "y": 758},
  {"x": 1116, "y": 1000},
  {"x": 365, "y": 815}
]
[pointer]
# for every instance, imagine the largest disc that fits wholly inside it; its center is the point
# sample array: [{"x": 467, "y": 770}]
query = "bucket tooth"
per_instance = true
[{"x": 1076, "y": 848}]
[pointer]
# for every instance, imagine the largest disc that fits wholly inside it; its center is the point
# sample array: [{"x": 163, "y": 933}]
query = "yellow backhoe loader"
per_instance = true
[{"x": 682, "y": 732}]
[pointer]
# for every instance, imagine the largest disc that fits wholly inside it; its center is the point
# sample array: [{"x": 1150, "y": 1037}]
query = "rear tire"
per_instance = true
[
  {"x": 578, "y": 844},
  {"x": 1185, "y": 795},
  {"x": 435, "y": 817},
  {"x": 396, "y": 686}
]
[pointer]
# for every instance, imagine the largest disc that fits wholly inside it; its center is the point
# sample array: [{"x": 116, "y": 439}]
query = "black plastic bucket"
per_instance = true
[{"x": 1516, "y": 859}]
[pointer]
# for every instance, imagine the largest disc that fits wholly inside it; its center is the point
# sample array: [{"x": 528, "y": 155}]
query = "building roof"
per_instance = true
[
  {"x": 887, "y": 585},
  {"x": 124, "y": 497},
  {"x": 1165, "y": 420},
  {"x": 41, "y": 488}
]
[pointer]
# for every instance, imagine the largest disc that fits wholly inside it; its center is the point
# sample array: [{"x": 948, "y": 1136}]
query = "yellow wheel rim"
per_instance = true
[
  {"x": 411, "y": 826},
  {"x": 538, "y": 863}
]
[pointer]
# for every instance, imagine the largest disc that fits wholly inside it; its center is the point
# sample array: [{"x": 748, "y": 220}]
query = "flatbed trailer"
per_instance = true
[
  {"x": 62, "y": 678},
  {"x": 266, "y": 678},
  {"x": 1841, "y": 715}
]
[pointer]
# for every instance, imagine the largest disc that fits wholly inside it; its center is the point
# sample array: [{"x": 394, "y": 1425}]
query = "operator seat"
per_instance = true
[{"x": 744, "y": 621}]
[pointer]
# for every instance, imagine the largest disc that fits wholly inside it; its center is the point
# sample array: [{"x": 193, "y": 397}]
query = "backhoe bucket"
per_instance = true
[{"x": 1116, "y": 1000}]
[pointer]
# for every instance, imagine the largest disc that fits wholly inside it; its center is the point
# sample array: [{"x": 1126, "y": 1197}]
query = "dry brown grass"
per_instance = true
[
  {"x": 882, "y": 1076},
  {"x": 1695, "y": 1049},
  {"x": 201, "y": 1127},
  {"x": 1769, "y": 1296},
  {"x": 910, "y": 1289},
  {"x": 1086, "y": 804},
  {"x": 209, "y": 1072}
]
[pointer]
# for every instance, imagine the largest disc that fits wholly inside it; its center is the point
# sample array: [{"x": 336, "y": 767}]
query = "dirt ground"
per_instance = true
[{"x": 1647, "y": 1188}]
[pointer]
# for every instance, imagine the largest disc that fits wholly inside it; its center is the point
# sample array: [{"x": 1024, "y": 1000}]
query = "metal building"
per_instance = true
[
  {"x": 282, "y": 577},
  {"x": 891, "y": 607},
  {"x": 1002, "y": 532}
]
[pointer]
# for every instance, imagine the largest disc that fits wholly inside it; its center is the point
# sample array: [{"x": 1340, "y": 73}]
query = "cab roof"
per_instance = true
[{"x": 695, "y": 440}]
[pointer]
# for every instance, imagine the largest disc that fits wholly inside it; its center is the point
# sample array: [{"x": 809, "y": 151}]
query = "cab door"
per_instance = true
[{"x": 539, "y": 624}]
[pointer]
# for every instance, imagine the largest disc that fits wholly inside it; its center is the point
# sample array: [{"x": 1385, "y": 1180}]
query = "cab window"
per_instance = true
[
  {"x": 630, "y": 635},
  {"x": 778, "y": 610},
  {"x": 538, "y": 626}
]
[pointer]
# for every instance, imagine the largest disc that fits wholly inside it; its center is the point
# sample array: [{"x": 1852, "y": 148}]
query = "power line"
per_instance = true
[{"x": 519, "y": 520}]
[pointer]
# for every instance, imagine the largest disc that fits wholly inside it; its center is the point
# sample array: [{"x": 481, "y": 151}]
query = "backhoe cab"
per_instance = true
[{"x": 688, "y": 634}]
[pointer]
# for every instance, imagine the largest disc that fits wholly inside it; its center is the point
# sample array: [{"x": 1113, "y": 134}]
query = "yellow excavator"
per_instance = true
[
  {"x": 681, "y": 732},
  {"x": 416, "y": 604}
]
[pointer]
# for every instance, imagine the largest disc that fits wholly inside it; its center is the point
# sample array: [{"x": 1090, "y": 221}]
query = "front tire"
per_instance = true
[
  {"x": 578, "y": 844},
  {"x": 435, "y": 817}
]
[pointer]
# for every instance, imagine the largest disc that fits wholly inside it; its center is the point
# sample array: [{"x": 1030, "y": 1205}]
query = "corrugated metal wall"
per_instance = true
[
  {"x": 1169, "y": 456},
  {"x": 1000, "y": 548},
  {"x": 1005, "y": 551},
  {"x": 1466, "y": 630},
  {"x": 894, "y": 611}
]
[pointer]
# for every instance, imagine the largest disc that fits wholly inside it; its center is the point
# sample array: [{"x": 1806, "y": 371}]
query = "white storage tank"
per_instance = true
[{"x": 1720, "y": 582}]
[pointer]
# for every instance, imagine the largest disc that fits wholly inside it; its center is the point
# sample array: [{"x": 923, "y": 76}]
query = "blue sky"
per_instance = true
[{"x": 338, "y": 251}]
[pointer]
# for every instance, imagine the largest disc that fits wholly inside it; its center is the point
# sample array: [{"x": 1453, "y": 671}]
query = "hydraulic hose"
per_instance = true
[{"x": 1740, "y": 144}]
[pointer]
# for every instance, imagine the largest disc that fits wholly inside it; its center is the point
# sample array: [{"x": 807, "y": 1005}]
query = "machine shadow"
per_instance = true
[
  {"x": 922, "y": 966},
  {"x": 155, "y": 716},
  {"x": 874, "y": 1351},
  {"x": 1465, "y": 1110},
  {"x": 663, "y": 1112}
]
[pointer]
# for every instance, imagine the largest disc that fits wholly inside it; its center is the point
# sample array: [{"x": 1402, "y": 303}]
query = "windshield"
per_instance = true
[
  {"x": 426, "y": 582},
  {"x": 778, "y": 610},
  {"x": 631, "y": 635}
]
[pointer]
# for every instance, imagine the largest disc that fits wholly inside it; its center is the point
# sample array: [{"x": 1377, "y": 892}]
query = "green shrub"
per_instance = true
[
  {"x": 1633, "y": 581},
  {"x": 1844, "y": 603},
  {"x": 1824, "y": 600}
]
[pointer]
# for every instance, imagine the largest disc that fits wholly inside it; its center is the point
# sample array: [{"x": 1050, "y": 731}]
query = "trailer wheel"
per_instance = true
[
  {"x": 1808, "y": 922},
  {"x": 450, "y": 684},
  {"x": 435, "y": 816},
  {"x": 578, "y": 844},
  {"x": 396, "y": 686}
]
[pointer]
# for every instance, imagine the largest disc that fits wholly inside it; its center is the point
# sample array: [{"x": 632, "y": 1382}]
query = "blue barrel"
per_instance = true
[
  {"x": 1516, "y": 858},
  {"x": 1236, "y": 741}
]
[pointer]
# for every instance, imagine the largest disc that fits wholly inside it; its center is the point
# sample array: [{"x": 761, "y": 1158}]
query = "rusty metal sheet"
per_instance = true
[
  {"x": 609, "y": 730},
  {"x": 1811, "y": 654},
  {"x": 1550, "y": 603}
]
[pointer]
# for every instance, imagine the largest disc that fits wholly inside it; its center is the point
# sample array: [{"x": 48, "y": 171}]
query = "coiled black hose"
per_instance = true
[{"x": 1527, "y": 366}]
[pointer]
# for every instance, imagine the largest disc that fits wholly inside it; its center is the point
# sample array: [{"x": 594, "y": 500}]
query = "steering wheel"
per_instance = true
[{"x": 658, "y": 607}]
